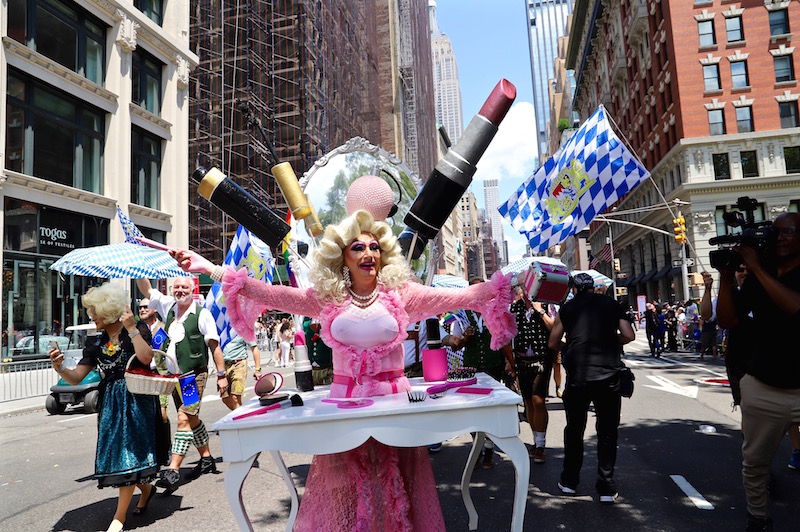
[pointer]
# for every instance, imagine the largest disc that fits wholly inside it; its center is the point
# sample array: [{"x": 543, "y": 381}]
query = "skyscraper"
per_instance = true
[
  {"x": 445, "y": 80},
  {"x": 547, "y": 22},
  {"x": 492, "y": 202}
]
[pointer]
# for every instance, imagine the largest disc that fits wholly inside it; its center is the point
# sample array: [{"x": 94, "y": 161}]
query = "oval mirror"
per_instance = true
[{"x": 326, "y": 183}]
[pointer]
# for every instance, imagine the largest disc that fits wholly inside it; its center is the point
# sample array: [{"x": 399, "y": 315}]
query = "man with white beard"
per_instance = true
[{"x": 192, "y": 333}]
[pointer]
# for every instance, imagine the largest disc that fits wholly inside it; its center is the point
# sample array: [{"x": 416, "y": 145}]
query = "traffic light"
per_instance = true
[
  {"x": 679, "y": 226},
  {"x": 616, "y": 265}
]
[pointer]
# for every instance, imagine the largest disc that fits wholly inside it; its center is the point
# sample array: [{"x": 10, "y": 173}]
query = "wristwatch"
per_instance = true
[{"x": 220, "y": 374}]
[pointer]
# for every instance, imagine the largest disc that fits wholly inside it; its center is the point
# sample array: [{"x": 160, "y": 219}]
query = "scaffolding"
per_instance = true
[{"x": 308, "y": 71}]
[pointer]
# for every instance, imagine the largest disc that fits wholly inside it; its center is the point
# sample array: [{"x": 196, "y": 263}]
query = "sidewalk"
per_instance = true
[{"x": 21, "y": 406}]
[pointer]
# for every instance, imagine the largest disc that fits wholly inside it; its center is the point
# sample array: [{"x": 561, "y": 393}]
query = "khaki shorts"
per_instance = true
[
  {"x": 236, "y": 373},
  {"x": 192, "y": 410}
]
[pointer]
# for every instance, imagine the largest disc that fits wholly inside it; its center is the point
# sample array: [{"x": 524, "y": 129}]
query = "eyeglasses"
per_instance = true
[{"x": 787, "y": 231}]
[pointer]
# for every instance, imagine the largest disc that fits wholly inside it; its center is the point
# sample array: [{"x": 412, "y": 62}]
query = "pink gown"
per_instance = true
[{"x": 373, "y": 487}]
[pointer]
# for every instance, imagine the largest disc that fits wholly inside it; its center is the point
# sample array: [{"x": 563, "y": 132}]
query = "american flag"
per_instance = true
[
  {"x": 591, "y": 172},
  {"x": 593, "y": 262},
  {"x": 604, "y": 254},
  {"x": 247, "y": 250}
]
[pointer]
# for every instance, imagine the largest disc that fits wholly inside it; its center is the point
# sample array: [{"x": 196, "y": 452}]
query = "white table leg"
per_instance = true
[
  {"x": 287, "y": 478},
  {"x": 477, "y": 445},
  {"x": 234, "y": 478},
  {"x": 516, "y": 451}
]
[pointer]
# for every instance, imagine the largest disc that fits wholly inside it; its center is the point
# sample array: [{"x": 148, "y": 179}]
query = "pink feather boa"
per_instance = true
[{"x": 502, "y": 324}]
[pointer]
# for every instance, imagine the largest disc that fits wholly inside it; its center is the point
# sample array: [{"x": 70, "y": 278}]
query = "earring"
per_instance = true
[{"x": 346, "y": 276}]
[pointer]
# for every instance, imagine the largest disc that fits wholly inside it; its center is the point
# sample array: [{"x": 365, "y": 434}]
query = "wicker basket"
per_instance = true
[{"x": 147, "y": 385}]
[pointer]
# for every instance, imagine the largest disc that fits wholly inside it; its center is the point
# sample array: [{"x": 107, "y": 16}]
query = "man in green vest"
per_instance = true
[{"x": 192, "y": 333}]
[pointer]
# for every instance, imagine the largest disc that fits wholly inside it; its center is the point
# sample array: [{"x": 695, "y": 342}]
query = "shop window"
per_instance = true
[
  {"x": 62, "y": 32},
  {"x": 705, "y": 29},
  {"x": 791, "y": 156},
  {"x": 788, "y": 114},
  {"x": 145, "y": 169},
  {"x": 749, "y": 163},
  {"x": 739, "y": 77},
  {"x": 52, "y": 135},
  {"x": 152, "y": 9},
  {"x": 716, "y": 122},
  {"x": 722, "y": 167},
  {"x": 733, "y": 27},
  {"x": 784, "y": 68},
  {"x": 744, "y": 119},
  {"x": 711, "y": 77},
  {"x": 146, "y": 78},
  {"x": 779, "y": 22}
]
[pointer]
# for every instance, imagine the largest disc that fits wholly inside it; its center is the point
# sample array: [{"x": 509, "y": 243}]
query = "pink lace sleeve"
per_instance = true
[
  {"x": 491, "y": 299},
  {"x": 246, "y": 298}
]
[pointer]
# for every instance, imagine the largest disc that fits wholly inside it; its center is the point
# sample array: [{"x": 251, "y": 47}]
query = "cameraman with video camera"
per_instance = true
[{"x": 771, "y": 388}]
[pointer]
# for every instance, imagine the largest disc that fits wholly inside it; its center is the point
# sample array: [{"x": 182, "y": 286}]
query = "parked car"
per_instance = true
[
  {"x": 24, "y": 350},
  {"x": 64, "y": 394}
]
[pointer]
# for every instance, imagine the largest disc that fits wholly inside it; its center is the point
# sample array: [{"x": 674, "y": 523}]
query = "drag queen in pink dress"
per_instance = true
[{"x": 364, "y": 301}]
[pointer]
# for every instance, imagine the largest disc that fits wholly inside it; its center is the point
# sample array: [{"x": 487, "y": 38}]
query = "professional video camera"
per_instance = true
[{"x": 757, "y": 235}]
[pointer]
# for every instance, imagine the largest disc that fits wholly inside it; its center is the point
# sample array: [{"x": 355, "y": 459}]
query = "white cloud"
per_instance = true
[{"x": 512, "y": 153}]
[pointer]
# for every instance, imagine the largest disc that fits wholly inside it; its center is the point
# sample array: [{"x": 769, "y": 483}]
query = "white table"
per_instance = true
[{"x": 322, "y": 428}]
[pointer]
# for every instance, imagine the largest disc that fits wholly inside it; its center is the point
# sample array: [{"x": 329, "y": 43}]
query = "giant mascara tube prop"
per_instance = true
[
  {"x": 453, "y": 174},
  {"x": 241, "y": 205},
  {"x": 290, "y": 188}
]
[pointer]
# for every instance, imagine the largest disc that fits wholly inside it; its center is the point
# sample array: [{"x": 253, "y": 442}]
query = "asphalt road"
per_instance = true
[{"x": 46, "y": 468}]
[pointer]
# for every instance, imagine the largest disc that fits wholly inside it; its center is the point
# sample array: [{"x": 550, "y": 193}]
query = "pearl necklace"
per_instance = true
[{"x": 363, "y": 301}]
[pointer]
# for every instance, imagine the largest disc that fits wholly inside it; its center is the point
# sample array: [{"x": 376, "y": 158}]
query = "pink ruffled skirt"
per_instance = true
[{"x": 371, "y": 488}]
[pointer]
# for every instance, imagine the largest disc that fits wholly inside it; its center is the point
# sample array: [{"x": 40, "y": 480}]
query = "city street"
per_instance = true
[{"x": 678, "y": 468}]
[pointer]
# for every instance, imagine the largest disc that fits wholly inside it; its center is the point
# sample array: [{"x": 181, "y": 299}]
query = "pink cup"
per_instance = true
[{"x": 434, "y": 365}]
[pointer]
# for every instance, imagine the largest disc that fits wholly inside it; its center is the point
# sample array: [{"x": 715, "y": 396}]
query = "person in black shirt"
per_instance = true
[
  {"x": 771, "y": 388},
  {"x": 595, "y": 327},
  {"x": 534, "y": 361}
]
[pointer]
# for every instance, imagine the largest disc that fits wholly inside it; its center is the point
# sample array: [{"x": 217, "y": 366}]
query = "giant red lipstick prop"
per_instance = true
[{"x": 453, "y": 174}]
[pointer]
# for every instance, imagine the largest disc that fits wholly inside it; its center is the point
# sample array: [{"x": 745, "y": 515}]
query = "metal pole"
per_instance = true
[
  {"x": 613, "y": 270},
  {"x": 684, "y": 269}
]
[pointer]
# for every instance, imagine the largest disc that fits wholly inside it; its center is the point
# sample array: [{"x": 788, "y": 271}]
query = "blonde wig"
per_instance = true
[
  {"x": 108, "y": 300},
  {"x": 326, "y": 271}
]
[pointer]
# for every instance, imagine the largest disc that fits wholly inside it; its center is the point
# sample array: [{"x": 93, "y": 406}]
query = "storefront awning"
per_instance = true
[
  {"x": 662, "y": 272},
  {"x": 622, "y": 282},
  {"x": 649, "y": 275},
  {"x": 635, "y": 280}
]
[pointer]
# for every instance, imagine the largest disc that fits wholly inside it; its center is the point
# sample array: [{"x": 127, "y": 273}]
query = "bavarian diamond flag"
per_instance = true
[
  {"x": 247, "y": 251},
  {"x": 591, "y": 172}
]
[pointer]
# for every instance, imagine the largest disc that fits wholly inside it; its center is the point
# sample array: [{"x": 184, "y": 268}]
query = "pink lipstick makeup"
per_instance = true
[{"x": 453, "y": 174}]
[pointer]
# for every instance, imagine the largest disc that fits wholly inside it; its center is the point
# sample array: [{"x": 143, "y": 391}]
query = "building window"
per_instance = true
[
  {"x": 706, "y": 31},
  {"x": 784, "y": 68},
  {"x": 722, "y": 168},
  {"x": 62, "y": 32},
  {"x": 145, "y": 169},
  {"x": 779, "y": 22},
  {"x": 749, "y": 163},
  {"x": 716, "y": 122},
  {"x": 791, "y": 156},
  {"x": 744, "y": 119},
  {"x": 788, "y": 114},
  {"x": 733, "y": 26},
  {"x": 53, "y": 136},
  {"x": 739, "y": 77},
  {"x": 152, "y": 9},
  {"x": 146, "y": 81},
  {"x": 711, "y": 77}
]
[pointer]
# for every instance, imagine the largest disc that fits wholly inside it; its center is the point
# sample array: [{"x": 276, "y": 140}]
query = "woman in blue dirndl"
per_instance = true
[{"x": 131, "y": 441}]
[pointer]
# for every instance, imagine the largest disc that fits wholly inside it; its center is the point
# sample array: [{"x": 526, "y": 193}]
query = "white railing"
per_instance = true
[{"x": 19, "y": 380}]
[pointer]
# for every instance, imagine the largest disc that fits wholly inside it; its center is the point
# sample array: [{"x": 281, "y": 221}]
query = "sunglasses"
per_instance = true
[{"x": 741, "y": 270}]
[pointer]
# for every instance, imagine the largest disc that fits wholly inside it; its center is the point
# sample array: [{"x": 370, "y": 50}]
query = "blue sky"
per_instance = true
[{"x": 490, "y": 41}]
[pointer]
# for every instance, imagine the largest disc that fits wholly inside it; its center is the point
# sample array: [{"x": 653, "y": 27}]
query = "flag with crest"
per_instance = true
[
  {"x": 129, "y": 228},
  {"x": 592, "y": 171},
  {"x": 248, "y": 251}
]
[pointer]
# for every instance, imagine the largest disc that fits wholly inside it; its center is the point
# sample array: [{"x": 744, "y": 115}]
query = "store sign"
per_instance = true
[{"x": 54, "y": 237}]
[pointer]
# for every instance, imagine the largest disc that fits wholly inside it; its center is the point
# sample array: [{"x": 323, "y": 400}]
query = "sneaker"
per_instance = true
[
  {"x": 538, "y": 455},
  {"x": 205, "y": 465},
  {"x": 565, "y": 490},
  {"x": 608, "y": 499},
  {"x": 170, "y": 478},
  {"x": 435, "y": 447},
  {"x": 794, "y": 462},
  {"x": 758, "y": 524},
  {"x": 559, "y": 392}
]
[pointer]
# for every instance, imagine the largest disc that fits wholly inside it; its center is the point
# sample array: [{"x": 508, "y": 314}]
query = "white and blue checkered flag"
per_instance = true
[
  {"x": 248, "y": 251},
  {"x": 129, "y": 228},
  {"x": 591, "y": 172}
]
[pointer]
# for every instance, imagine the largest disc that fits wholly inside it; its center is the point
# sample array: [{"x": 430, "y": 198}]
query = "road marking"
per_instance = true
[
  {"x": 668, "y": 386},
  {"x": 74, "y": 418},
  {"x": 692, "y": 493}
]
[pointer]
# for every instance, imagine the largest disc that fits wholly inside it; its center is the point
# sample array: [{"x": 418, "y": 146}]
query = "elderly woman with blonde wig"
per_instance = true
[
  {"x": 131, "y": 442},
  {"x": 364, "y": 301}
]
